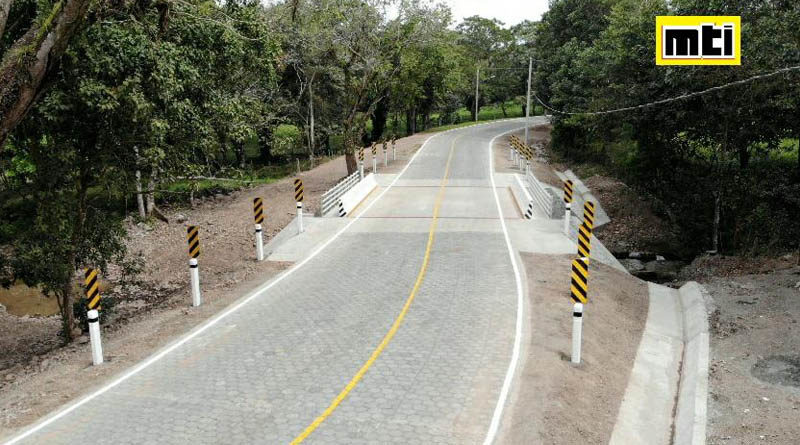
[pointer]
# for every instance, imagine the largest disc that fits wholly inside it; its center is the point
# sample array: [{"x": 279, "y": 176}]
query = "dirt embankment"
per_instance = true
[
  {"x": 560, "y": 403},
  {"x": 37, "y": 375},
  {"x": 754, "y": 375}
]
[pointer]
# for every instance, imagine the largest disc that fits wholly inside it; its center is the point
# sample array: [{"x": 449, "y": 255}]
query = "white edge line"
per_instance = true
[
  {"x": 494, "y": 426},
  {"x": 253, "y": 295}
]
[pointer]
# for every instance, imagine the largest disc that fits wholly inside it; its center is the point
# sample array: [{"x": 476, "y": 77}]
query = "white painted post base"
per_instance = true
[
  {"x": 385, "y": 158},
  {"x": 394, "y": 152},
  {"x": 94, "y": 337},
  {"x": 194, "y": 272},
  {"x": 375, "y": 164},
  {"x": 259, "y": 243},
  {"x": 510, "y": 154},
  {"x": 566, "y": 219},
  {"x": 299, "y": 217},
  {"x": 361, "y": 171},
  {"x": 577, "y": 327}
]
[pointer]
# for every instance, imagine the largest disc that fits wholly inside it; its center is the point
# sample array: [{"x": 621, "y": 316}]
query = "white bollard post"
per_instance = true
[
  {"x": 385, "y": 158},
  {"x": 194, "y": 271},
  {"x": 374, "y": 163},
  {"x": 577, "y": 327},
  {"x": 259, "y": 243},
  {"x": 361, "y": 170},
  {"x": 566, "y": 219},
  {"x": 527, "y": 167},
  {"x": 510, "y": 154},
  {"x": 299, "y": 217},
  {"x": 94, "y": 336},
  {"x": 394, "y": 151}
]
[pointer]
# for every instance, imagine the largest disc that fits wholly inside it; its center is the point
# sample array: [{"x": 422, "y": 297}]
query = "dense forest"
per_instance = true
[
  {"x": 722, "y": 167},
  {"x": 111, "y": 108}
]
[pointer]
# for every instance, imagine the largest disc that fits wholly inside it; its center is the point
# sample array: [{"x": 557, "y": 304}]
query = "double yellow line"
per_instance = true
[{"x": 398, "y": 321}]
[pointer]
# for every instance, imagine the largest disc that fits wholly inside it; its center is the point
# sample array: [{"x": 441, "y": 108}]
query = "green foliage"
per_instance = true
[
  {"x": 285, "y": 139},
  {"x": 598, "y": 55}
]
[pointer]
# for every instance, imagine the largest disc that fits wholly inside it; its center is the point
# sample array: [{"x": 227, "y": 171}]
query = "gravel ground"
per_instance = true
[
  {"x": 754, "y": 379},
  {"x": 37, "y": 375}
]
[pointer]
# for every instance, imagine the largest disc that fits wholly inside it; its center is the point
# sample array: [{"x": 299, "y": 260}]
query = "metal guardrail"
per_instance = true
[
  {"x": 545, "y": 198},
  {"x": 330, "y": 199}
]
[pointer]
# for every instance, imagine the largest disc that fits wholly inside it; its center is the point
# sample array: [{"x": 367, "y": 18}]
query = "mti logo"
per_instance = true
[{"x": 696, "y": 40}]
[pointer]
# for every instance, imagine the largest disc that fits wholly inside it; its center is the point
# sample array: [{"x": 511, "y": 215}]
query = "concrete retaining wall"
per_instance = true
[{"x": 354, "y": 196}]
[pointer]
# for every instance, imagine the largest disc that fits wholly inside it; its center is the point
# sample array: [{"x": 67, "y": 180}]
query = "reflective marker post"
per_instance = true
[
  {"x": 361, "y": 164},
  {"x": 298, "y": 197},
  {"x": 92, "y": 287},
  {"x": 374, "y": 158},
  {"x": 258, "y": 215},
  {"x": 193, "y": 237},
  {"x": 385, "y": 155},
  {"x": 579, "y": 293},
  {"x": 568, "y": 202},
  {"x": 94, "y": 336},
  {"x": 577, "y": 328},
  {"x": 194, "y": 273}
]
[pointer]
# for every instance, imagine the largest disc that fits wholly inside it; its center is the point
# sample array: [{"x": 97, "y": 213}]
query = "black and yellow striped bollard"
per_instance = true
[
  {"x": 585, "y": 231},
  {"x": 579, "y": 292},
  {"x": 361, "y": 163},
  {"x": 258, "y": 216},
  {"x": 568, "y": 191},
  {"x": 193, "y": 239},
  {"x": 298, "y": 197},
  {"x": 374, "y": 158},
  {"x": 92, "y": 287}
]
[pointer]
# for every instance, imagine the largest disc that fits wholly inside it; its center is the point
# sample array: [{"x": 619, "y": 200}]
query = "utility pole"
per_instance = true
[
  {"x": 477, "y": 82},
  {"x": 528, "y": 107}
]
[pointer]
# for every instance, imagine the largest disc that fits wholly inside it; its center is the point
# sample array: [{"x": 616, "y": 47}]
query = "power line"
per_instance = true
[{"x": 672, "y": 99}]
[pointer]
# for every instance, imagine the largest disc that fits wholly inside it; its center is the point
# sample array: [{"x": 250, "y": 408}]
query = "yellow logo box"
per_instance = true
[{"x": 698, "y": 40}]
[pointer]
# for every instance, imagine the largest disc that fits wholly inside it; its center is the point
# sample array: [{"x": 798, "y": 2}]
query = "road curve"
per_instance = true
[{"x": 401, "y": 330}]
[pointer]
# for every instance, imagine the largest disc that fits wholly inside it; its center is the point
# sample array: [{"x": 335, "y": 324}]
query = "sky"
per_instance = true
[{"x": 509, "y": 12}]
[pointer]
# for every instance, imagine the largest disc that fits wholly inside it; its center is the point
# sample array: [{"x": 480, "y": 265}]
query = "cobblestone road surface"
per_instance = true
[{"x": 266, "y": 371}]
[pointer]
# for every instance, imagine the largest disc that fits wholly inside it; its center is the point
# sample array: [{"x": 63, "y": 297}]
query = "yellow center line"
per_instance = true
[{"x": 398, "y": 321}]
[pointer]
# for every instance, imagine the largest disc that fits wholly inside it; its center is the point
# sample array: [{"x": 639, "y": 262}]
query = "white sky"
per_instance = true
[{"x": 509, "y": 12}]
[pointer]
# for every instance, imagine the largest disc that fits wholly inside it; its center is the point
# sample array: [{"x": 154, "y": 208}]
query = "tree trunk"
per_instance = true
[
  {"x": 31, "y": 58},
  {"x": 311, "y": 137},
  {"x": 138, "y": 184},
  {"x": 240, "y": 157},
  {"x": 744, "y": 158},
  {"x": 379, "y": 118},
  {"x": 350, "y": 160},
  {"x": 503, "y": 107},
  {"x": 139, "y": 197},
  {"x": 5, "y": 8},
  {"x": 717, "y": 211},
  {"x": 68, "y": 289},
  {"x": 265, "y": 147},
  {"x": 151, "y": 188}
]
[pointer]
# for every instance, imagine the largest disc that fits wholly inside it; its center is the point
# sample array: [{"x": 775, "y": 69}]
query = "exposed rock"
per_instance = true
[{"x": 632, "y": 265}]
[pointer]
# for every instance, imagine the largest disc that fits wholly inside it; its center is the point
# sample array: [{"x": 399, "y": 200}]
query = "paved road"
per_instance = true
[{"x": 400, "y": 331}]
